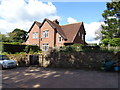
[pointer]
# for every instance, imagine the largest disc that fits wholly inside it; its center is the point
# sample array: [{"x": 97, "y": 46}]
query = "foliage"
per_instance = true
[
  {"x": 111, "y": 42},
  {"x": 4, "y": 38},
  {"x": 80, "y": 48},
  {"x": 17, "y": 35},
  {"x": 105, "y": 41},
  {"x": 68, "y": 49},
  {"x": 110, "y": 30},
  {"x": 31, "y": 49},
  {"x": 114, "y": 42},
  {"x": 13, "y": 48}
]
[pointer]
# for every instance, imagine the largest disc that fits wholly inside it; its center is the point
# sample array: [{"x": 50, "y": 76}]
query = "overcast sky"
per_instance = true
[{"x": 22, "y": 13}]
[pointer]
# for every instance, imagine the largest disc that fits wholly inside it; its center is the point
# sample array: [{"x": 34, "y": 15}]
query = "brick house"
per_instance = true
[{"x": 51, "y": 34}]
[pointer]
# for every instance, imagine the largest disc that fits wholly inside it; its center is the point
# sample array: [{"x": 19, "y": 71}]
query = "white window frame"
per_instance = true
[
  {"x": 45, "y": 46},
  {"x": 45, "y": 34},
  {"x": 59, "y": 38},
  {"x": 35, "y": 35}
]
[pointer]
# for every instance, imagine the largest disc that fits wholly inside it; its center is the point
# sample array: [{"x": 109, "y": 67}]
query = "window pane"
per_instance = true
[
  {"x": 45, "y": 33},
  {"x": 35, "y": 35},
  {"x": 45, "y": 47}
]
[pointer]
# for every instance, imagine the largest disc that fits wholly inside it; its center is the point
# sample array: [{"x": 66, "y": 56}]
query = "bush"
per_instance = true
[
  {"x": 68, "y": 49},
  {"x": 12, "y": 49}
]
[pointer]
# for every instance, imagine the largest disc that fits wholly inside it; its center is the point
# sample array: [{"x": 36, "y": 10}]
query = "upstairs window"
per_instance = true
[
  {"x": 79, "y": 33},
  {"x": 45, "y": 46},
  {"x": 59, "y": 38},
  {"x": 35, "y": 35},
  {"x": 83, "y": 37},
  {"x": 45, "y": 33}
]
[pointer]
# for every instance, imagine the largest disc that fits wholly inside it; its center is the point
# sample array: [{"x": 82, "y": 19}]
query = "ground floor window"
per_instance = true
[{"x": 45, "y": 46}]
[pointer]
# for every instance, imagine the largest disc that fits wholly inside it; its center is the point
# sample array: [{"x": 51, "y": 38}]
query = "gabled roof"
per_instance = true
[
  {"x": 68, "y": 31},
  {"x": 71, "y": 31},
  {"x": 35, "y": 22},
  {"x": 56, "y": 27}
]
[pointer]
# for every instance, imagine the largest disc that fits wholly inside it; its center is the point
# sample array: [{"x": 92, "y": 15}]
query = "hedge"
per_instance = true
[{"x": 12, "y": 48}]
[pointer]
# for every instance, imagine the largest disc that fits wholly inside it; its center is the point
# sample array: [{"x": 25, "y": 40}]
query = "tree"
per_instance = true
[
  {"x": 111, "y": 29},
  {"x": 112, "y": 21},
  {"x": 4, "y": 38},
  {"x": 17, "y": 35}
]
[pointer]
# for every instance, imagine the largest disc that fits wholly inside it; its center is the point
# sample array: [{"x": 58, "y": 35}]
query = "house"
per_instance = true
[{"x": 51, "y": 34}]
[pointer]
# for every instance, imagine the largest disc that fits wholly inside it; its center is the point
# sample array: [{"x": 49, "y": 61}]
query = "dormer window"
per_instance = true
[
  {"x": 59, "y": 38},
  {"x": 45, "y": 33},
  {"x": 35, "y": 35}
]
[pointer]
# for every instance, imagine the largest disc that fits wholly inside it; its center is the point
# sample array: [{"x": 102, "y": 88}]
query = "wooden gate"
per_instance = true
[{"x": 34, "y": 59}]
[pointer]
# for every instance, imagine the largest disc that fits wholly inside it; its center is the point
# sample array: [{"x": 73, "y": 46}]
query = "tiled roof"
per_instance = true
[
  {"x": 38, "y": 23},
  {"x": 35, "y": 22},
  {"x": 71, "y": 31},
  {"x": 57, "y": 27},
  {"x": 68, "y": 31}
]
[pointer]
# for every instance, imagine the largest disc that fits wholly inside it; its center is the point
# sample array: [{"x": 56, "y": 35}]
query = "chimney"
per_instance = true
[{"x": 56, "y": 21}]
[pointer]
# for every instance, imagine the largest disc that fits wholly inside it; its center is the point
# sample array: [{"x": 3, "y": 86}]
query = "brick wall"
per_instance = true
[{"x": 30, "y": 40}]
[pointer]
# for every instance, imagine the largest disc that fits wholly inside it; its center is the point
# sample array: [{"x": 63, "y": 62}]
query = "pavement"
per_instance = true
[{"x": 37, "y": 77}]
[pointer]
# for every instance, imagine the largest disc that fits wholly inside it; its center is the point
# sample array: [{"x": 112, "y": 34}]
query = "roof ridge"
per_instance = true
[
  {"x": 37, "y": 21},
  {"x": 71, "y": 23},
  {"x": 57, "y": 26}
]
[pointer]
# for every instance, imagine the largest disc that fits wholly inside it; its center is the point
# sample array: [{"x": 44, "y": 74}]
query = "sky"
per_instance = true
[{"x": 22, "y": 13}]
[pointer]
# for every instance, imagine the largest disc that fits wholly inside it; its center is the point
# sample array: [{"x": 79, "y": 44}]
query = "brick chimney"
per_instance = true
[{"x": 56, "y": 21}]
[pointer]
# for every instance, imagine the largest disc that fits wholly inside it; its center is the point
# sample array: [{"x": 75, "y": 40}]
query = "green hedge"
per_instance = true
[{"x": 12, "y": 48}]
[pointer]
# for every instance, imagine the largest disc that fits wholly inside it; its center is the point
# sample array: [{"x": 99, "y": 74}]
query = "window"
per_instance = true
[
  {"x": 79, "y": 33},
  {"x": 83, "y": 37},
  {"x": 59, "y": 38},
  {"x": 34, "y": 44},
  {"x": 35, "y": 35},
  {"x": 45, "y": 33},
  {"x": 45, "y": 46}
]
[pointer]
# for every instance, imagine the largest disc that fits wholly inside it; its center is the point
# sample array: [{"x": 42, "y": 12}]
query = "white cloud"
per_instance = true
[
  {"x": 71, "y": 20},
  {"x": 19, "y": 14},
  {"x": 93, "y": 30}
]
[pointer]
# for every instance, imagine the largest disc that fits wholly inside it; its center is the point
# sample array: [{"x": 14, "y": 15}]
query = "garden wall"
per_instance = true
[
  {"x": 88, "y": 60},
  {"x": 82, "y": 60}
]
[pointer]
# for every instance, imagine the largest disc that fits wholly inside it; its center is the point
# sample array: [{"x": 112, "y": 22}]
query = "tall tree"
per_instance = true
[
  {"x": 112, "y": 21},
  {"x": 17, "y": 35}
]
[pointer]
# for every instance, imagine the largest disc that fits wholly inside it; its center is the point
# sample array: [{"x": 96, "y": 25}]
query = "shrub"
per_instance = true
[
  {"x": 68, "y": 49},
  {"x": 11, "y": 48}
]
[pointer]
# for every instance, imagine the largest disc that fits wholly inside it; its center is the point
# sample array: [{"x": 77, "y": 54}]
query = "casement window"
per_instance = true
[
  {"x": 45, "y": 47},
  {"x": 59, "y": 38},
  {"x": 35, "y": 35},
  {"x": 45, "y": 33}
]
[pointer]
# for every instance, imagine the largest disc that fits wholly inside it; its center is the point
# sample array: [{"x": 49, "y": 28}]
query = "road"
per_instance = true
[{"x": 36, "y": 77}]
